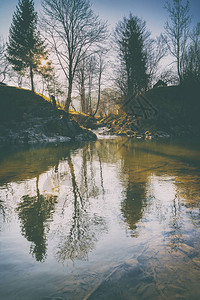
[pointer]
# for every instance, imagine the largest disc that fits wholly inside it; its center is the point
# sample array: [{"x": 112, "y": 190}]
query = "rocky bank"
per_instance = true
[{"x": 27, "y": 117}]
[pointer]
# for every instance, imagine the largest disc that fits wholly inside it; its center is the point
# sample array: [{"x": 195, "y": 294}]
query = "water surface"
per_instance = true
[{"x": 111, "y": 219}]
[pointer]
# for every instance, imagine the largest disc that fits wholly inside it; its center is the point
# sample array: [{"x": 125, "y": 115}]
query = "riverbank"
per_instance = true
[
  {"x": 161, "y": 112},
  {"x": 27, "y": 117}
]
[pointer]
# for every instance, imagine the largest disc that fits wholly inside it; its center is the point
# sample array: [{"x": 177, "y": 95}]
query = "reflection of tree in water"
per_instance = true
[
  {"x": 188, "y": 196},
  {"x": 133, "y": 203},
  {"x": 88, "y": 187},
  {"x": 34, "y": 212},
  {"x": 2, "y": 208},
  {"x": 135, "y": 178},
  {"x": 2, "y": 211},
  {"x": 82, "y": 235},
  {"x": 176, "y": 223}
]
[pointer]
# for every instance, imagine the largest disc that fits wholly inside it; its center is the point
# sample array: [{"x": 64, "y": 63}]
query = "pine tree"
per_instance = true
[
  {"x": 130, "y": 37},
  {"x": 25, "y": 47}
]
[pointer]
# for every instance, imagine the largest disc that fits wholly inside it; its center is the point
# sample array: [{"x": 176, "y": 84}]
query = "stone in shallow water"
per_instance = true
[{"x": 126, "y": 281}]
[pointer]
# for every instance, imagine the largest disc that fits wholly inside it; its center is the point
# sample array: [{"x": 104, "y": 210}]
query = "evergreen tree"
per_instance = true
[
  {"x": 130, "y": 37},
  {"x": 25, "y": 47}
]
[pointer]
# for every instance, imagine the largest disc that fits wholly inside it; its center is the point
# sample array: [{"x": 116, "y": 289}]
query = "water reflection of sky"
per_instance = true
[{"x": 99, "y": 210}]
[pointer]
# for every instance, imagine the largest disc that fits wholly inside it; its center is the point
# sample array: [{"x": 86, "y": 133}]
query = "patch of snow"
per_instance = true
[
  {"x": 45, "y": 139},
  {"x": 79, "y": 138}
]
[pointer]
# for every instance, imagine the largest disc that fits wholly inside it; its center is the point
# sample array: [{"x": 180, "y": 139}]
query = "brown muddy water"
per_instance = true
[{"x": 111, "y": 219}]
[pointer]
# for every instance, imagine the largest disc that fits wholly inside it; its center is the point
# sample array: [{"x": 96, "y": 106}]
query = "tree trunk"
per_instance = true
[
  {"x": 89, "y": 104},
  {"x": 69, "y": 96},
  {"x": 179, "y": 70},
  {"x": 178, "y": 60},
  {"x": 99, "y": 95},
  {"x": 83, "y": 102},
  {"x": 31, "y": 75}
]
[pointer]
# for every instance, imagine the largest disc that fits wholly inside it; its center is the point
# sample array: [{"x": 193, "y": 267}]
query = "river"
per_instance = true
[{"x": 113, "y": 219}]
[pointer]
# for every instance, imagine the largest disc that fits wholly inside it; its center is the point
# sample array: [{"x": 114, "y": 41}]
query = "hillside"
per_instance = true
[
  {"x": 177, "y": 113},
  {"x": 179, "y": 105},
  {"x": 178, "y": 109},
  {"x": 26, "y": 117}
]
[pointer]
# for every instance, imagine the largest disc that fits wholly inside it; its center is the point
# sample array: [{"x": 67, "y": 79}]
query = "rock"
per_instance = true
[
  {"x": 27, "y": 117},
  {"x": 46, "y": 130}
]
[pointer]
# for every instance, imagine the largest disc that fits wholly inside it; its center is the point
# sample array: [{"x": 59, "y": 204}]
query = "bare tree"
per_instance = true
[
  {"x": 81, "y": 79},
  {"x": 50, "y": 80},
  {"x": 4, "y": 65},
  {"x": 92, "y": 72},
  {"x": 73, "y": 30},
  {"x": 88, "y": 78},
  {"x": 156, "y": 49},
  {"x": 191, "y": 68},
  {"x": 101, "y": 68},
  {"x": 177, "y": 31},
  {"x": 168, "y": 76},
  {"x": 110, "y": 101},
  {"x": 86, "y": 71}
]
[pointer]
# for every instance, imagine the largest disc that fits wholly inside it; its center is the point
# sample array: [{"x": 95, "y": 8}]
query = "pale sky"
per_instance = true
[{"x": 151, "y": 11}]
